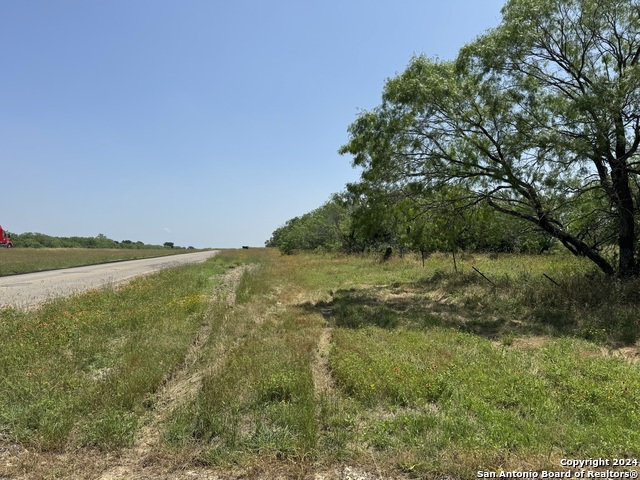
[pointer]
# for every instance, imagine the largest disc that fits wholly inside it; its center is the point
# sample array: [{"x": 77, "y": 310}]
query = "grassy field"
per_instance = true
[
  {"x": 291, "y": 365},
  {"x": 25, "y": 260}
]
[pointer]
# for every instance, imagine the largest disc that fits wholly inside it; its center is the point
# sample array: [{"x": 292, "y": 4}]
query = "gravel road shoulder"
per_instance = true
[{"x": 32, "y": 289}]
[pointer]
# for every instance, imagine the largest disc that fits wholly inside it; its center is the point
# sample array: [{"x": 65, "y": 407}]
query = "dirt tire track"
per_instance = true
[
  {"x": 323, "y": 382},
  {"x": 145, "y": 460},
  {"x": 180, "y": 386}
]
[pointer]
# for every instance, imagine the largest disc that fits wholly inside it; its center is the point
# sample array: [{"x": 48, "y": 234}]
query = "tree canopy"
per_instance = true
[
  {"x": 538, "y": 118},
  {"x": 325, "y": 228},
  {"x": 364, "y": 219}
]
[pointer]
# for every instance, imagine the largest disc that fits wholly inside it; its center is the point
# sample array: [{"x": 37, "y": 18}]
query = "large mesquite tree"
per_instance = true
[{"x": 539, "y": 118}]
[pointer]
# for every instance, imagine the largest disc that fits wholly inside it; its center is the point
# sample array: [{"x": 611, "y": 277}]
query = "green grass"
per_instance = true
[
  {"x": 26, "y": 260},
  {"x": 260, "y": 400},
  {"x": 433, "y": 370},
  {"x": 427, "y": 371},
  {"x": 81, "y": 371},
  {"x": 453, "y": 395}
]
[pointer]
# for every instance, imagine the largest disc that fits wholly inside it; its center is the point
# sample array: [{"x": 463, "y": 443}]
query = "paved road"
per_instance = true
[{"x": 32, "y": 289}]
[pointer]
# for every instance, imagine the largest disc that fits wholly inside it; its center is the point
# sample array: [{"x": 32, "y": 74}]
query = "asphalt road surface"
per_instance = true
[{"x": 32, "y": 289}]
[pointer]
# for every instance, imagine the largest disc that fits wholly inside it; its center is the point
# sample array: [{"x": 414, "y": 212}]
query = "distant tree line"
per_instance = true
[
  {"x": 40, "y": 240},
  {"x": 362, "y": 220}
]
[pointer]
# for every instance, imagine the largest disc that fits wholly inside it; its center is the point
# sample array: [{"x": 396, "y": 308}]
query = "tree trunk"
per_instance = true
[
  {"x": 625, "y": 205},
  {"x": 573, "y": 244},
  {"x": 626, "y": 244}
]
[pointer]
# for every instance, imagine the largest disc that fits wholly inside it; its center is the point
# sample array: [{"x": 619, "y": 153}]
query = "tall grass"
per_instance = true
[
  {"x": 82, "y": 370},
  {"x": 428, "y": 372},
  {"x": 259, "y": 398},
  {"x": 433, "y": 370}
]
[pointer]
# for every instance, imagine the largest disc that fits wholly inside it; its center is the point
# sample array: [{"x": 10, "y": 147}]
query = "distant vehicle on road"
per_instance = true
[{"x": 5, "y": 241}]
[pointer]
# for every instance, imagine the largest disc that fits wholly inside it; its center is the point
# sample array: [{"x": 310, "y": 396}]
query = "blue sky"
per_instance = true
[{"x": 200, "y": 122}]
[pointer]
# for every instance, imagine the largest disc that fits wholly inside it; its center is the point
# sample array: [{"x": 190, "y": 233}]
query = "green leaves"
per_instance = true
[
  {"x": 529, "y": 118},
  {"x": 327, "y": 227}
]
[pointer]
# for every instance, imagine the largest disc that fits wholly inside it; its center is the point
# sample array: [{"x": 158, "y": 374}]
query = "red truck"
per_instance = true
[{"x": 5, "y": 241}]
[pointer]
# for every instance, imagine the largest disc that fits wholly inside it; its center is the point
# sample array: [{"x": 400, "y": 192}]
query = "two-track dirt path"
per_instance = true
[
  {"x": 32, "y": 289},
  {"x": 146, "y": 459},
  {"x": 142, "y": 459}
]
